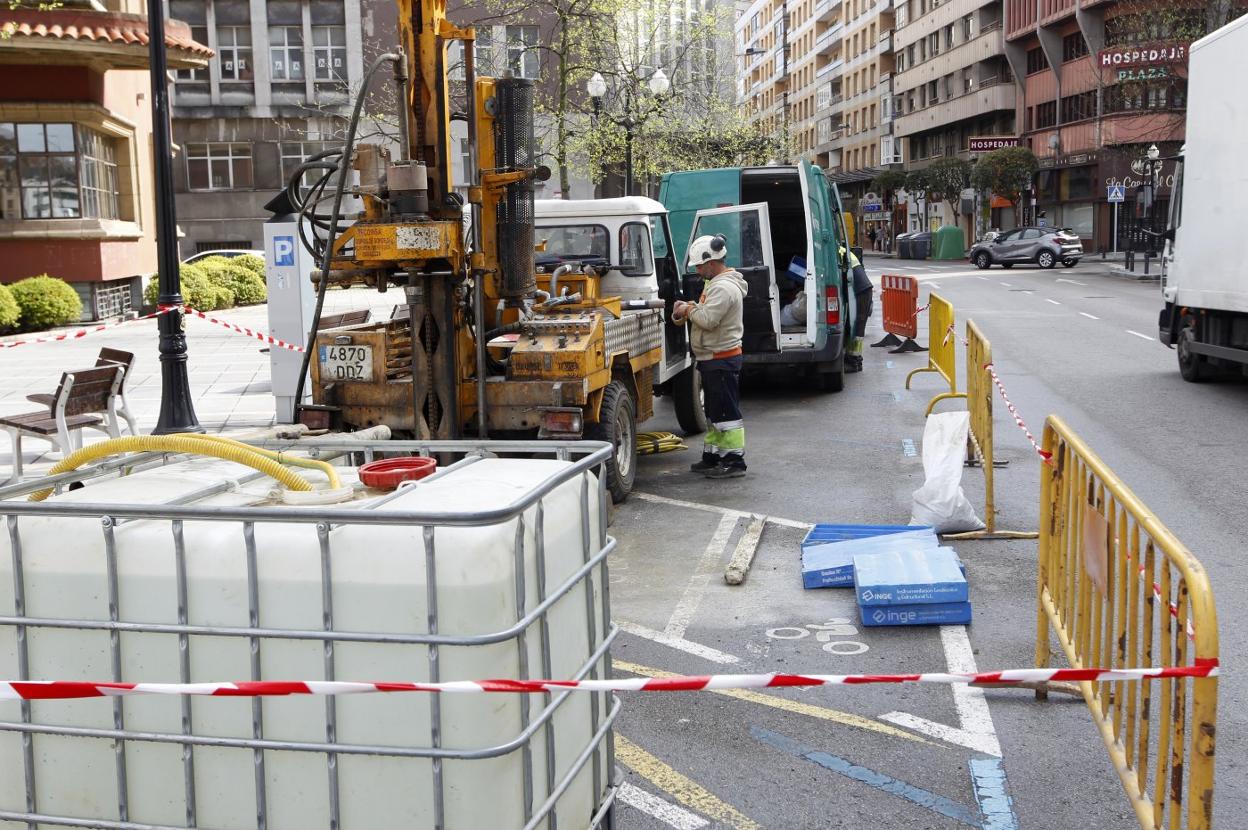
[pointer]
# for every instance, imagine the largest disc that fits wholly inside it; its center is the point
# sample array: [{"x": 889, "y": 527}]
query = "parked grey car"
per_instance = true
[{"x": 1044, "y": 246}]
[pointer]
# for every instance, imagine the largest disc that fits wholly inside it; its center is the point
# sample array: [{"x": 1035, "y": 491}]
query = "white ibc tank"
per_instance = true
[{"x": 378, "y": 586}]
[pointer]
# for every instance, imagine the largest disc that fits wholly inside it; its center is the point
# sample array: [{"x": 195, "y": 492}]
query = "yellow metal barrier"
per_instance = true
[
  {"x": 1121, "y": 591},
  {"x": 940, "y": 345},
  {"x": 979, "y": 396}
]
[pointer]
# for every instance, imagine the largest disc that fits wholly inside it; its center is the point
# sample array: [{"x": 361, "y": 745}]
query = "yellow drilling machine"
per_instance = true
[{"x": 476, "y": 347}]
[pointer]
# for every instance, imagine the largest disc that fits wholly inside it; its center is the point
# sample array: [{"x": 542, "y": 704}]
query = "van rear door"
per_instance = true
[{"x": 748, "y": 232}]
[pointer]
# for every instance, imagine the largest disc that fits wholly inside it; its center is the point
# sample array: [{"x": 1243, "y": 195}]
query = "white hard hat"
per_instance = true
[{"x": 706, "y": 248}]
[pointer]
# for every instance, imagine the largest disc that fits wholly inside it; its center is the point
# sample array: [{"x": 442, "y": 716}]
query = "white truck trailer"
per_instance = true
[{"x": 1205, "y": 269}]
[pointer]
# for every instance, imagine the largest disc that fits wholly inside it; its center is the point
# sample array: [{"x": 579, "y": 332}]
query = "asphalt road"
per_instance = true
[{"x": 1079, "y": 343}]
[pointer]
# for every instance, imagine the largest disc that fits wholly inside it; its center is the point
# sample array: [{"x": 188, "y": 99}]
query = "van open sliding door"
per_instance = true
[{"x": 748, "y": 232}]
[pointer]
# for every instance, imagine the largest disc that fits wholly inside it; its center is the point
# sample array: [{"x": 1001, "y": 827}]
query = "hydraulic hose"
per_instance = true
[
  {"x": 348, "y": 151},
  {"x": 182, "y": 443},
  {"x": 282, "y": 458},
  {"x": 650, "y": 443}
]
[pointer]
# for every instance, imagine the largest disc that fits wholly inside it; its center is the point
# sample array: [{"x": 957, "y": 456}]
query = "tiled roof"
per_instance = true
[{"x": 97, "y": 27}]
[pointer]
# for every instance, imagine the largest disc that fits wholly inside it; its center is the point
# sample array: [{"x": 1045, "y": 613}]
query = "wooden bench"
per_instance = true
[
  {"x": 80, "y": 395},
  {"x": 347, "y": 318},
  {"x": 107, "y": 357}
]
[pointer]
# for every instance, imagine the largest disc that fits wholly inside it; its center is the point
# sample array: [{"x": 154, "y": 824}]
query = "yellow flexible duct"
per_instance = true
[
  {"x": 180, "y": 444},
  {"x": 293, "y": 461}
]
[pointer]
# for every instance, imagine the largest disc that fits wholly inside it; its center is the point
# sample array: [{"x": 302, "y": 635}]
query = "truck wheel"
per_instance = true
[
  {"x": 1045, "y": 259},
  {"x": 617, "y": 426},
  {"x": 1193, "y": 367},
  {"x": 687, "y": 398}
]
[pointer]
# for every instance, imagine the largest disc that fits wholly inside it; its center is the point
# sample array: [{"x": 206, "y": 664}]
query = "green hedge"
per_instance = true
[
  {"x": 252, "y": 263},
  {"x": 197, "y": 290},
  {"x": 45, "y": 302},
  {"x": 245, "y": 287},
  {"x": 10, "y": 312}
]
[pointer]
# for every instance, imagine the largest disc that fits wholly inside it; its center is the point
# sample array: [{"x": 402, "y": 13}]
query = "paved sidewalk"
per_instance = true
[{"x": 229, "y": 373}]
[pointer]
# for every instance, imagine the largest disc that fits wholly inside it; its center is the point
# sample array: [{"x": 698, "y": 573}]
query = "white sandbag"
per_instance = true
[{"x": 940, "y": 502}]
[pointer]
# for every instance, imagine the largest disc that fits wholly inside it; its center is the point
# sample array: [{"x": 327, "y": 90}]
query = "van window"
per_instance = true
[
  {"x": 745, "y": 238},
  {"x": 574, "y": 242},
  {"x": 660, "y": 238},
  {"x": 635, "y": 251}
]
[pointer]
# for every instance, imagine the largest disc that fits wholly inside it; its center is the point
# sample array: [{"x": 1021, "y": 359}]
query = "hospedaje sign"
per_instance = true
[
  {"x": 1129, "y": 57},
  {"x": 984, "y": 144}
]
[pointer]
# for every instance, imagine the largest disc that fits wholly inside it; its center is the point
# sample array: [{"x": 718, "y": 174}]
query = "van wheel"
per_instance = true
[
  {"x": 982, "y": 260},
  {"x": 617, "y": 426},
  {"x": 687, "y": 398},
  {"x": 1193, "y": 367}
]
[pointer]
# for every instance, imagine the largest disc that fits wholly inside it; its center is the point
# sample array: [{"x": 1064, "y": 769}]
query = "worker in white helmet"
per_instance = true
[{"x": 716, "y": 326}]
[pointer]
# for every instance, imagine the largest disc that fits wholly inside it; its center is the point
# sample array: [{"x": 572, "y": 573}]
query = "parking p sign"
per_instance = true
[{"x": 284, "y": 251}]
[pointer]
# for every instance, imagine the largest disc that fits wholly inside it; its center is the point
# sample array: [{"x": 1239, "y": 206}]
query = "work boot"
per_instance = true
[
  {"x": 727, "y": 471},
  {"x": 709, "y": 462}
]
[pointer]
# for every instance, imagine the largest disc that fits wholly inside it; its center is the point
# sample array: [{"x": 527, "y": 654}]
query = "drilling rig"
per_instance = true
[{"x": 476, "y": 347}]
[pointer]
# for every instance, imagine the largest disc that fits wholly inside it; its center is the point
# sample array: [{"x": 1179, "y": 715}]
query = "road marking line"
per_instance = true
[
  {"x": 933, "y": 284},
  {"x": 680, "y": 787},
  {"x": 1089, "y": 316},
  {"x": 714, "y": 508},
  {"x": 701, "y": 578},
  {"x": 665, "y": 811},
  {"x": 927, "y": 800},
  {"x": 988, "y": 779},
  {"x": 787, "y": 705},
  {"x": 743, "y": 555},
  {"x": 1137, "y": 334},
  {"x": 1054, "y": 302},
  {"x": 678, "y": 643},
  {"x": 975, "y": 730},
  {"x": 985, "y": 279},
  {"x": 1072, "y": 282},
  {"x": 1008, "y": 285}
]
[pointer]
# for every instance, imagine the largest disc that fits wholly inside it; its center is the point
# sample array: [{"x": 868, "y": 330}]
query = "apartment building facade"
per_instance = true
[
  {"x": 77, "y": 199},
  {"x": 953, "y": 84},
  {"x": 1088, "y": 116}
]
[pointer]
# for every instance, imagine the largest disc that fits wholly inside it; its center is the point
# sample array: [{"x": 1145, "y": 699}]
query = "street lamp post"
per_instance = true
[
  {"x": 596, "y": 86},
  {"x": 1152, "y": 154},
  {"x": 177, "y": 410}
]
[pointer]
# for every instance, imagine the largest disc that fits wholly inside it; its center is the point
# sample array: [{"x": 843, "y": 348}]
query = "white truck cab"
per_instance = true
[{"x": 630, "y": 238}]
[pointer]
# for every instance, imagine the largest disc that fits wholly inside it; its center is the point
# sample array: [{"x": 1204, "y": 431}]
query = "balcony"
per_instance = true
[
  {"x": 979, "y": 101},
  {"x": 829, "y": 68},
  {"x": 827, "y": 10},
  {"x": 986, "y": 45},
  {"x": 827, "y": 42}
]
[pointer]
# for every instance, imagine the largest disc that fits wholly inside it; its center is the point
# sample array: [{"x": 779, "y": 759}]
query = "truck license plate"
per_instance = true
[{"x": 345, "y": 363}]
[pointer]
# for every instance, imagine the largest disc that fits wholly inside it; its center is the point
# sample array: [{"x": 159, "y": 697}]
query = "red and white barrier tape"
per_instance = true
[
  {"x": 68, "y": 689},
  {"x": 78, "y": 334},
  {"x": 1047, "y": 457},
  {"x": 264, "y": 338}
]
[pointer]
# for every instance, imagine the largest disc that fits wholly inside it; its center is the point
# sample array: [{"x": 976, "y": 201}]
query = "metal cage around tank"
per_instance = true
[{"x": 542, "y": 788}]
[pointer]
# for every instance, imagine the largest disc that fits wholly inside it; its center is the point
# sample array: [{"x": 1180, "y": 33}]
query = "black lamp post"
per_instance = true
[
  {"x": 596, "y": 86},
  {"x": 177, "y": 410}
]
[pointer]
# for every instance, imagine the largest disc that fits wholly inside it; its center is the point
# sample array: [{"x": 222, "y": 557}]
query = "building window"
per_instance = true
[
  {"x": 1036, "y": 61},
  {"x": 234, "y": 52},
  {"x": 329, "y": 50},
  {"x": 295, "y": 153},
  {"x": 1150, "y": 95},
  {"x": 1078, "y": 107},
  {"x": 1073, "y": 47},
  {"x": 522, "y": 56},
  {"x": 968, "y": 27},
  {"x": 199, "y": 34},
  {"x": 949, "y": 36},
  {"x": 1046, "y": 115},
  {"x": 56, "y": 171},
  {"x": 933, "y": 44},
  {"x": 286, "y": 53},
  {"x": 219, "y": 166}
]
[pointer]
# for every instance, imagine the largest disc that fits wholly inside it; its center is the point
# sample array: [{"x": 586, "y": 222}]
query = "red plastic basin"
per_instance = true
[{"x": 389, "y": 473}]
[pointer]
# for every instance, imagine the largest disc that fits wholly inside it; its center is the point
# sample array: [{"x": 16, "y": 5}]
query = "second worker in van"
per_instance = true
[{"x": 716, "y": 326}]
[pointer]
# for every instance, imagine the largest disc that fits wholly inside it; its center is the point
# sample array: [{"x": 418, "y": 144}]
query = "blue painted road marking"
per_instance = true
[
  {"x": 988, "y": 777},
  {"x": 929, "y": 801}
]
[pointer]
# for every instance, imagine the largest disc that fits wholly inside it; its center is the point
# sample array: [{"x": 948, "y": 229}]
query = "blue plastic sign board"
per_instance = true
[
  {"x": 909, "y": 577},
  {"x": 1116, "y": 193},
  {"x": 935, "y": 613}
]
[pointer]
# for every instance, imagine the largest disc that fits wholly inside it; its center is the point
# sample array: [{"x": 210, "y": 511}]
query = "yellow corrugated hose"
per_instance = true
[
  {"x": 291, "y": 460},
  {"x": 649, "y": 443},
  {"x": 215, "y": 447}
]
